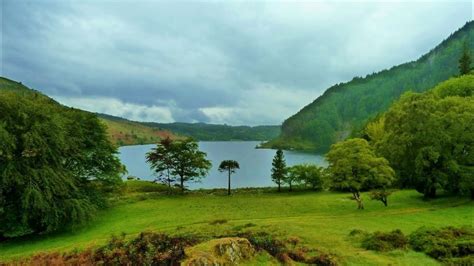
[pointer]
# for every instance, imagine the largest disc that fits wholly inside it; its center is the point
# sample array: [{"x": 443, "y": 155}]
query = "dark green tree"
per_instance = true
[
  {"x": 308, "y": 174},
  {"x": 279, "y": 169},
  {"x": 228, "y": 166},
  {"x": 465, "y": 61},
  {"x": 161, "y": 160},
  {"x": 354, "y": 167},
  {"x": 56, "y": 165},
  {"x": 429, "y": 138},
  {"x": 189, "y": 163}
]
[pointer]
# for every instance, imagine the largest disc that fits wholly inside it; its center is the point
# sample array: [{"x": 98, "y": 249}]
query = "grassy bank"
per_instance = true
[{"x": 321, "y": 220}]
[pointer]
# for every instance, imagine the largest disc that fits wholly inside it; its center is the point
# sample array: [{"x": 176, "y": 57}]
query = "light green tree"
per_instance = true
[{"x": 354, "y": 167}]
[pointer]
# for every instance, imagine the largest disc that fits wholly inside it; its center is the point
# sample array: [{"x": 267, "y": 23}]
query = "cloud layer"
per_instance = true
[{"x": 220, "y": 62}]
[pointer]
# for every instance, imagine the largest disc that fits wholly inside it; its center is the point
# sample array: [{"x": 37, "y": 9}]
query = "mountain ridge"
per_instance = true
[{"x": 344, "y": 107}]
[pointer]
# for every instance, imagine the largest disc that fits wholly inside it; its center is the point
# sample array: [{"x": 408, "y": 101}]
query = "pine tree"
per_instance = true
[
  {"x": 279, "y": 168},
  {"x": 465, "y": 61}
]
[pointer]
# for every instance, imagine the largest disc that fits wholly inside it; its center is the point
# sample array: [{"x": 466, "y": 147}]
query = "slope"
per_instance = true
[
  {"x": 120, "y": 131},
  {"x": 344, "y": 108}
]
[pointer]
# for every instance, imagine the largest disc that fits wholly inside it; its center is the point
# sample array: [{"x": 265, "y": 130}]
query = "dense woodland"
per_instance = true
[{"x": 344, "y": 108}]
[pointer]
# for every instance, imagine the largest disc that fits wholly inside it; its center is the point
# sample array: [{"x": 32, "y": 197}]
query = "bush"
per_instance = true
[
  {"x": 380, "y": 241},
  {"x": 145, "y": 249},
  {"x": 444, "y": 243}
]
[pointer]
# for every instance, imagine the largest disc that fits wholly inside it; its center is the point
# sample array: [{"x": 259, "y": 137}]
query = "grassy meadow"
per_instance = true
[{"x": 321, "y": 220}]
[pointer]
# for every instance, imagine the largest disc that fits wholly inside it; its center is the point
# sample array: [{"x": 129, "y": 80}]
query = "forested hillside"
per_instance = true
[
  {"x": 344, "y": 108},
  {"x": 213, "y": 132},
  {"x": 120, "y": 131}
]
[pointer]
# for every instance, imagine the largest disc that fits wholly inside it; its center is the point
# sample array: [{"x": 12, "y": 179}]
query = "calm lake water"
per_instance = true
[{"x": 255, "y": 164}]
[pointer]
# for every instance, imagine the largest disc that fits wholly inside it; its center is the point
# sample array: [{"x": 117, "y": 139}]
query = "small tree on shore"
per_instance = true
[
  {"x": 228, "y": 166},
  {"x": 184, "y": 159},
  {"x": 310, "y": 175},
  {"x": 354, "y": 167},
  {"x": 279, "y": 169},
  {"x": 190, "y": 164},
  {"x": 161, "y": 160}
]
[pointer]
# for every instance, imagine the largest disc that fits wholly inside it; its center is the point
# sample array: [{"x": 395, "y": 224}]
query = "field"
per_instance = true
[{"x": 320, "y": 219}]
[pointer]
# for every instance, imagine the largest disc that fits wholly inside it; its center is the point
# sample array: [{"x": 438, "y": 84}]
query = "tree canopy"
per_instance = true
[
  {"x": 229, "y": 166},
  {"x": 429, "y": 138},
  {"x": 354, "y": 167},
  {"x": 182, "y": 158},
  {"x": 279, "y": 169},
  {"x": 56, "y": 164}
]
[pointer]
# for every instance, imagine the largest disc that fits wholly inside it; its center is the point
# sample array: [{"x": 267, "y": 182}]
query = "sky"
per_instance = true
[{"x": 232, "y": 62}]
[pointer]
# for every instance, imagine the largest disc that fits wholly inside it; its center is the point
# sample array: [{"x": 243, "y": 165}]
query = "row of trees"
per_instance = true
[
  {"x": 307, "y": 174},
  {"x": 353, "y": 167}
]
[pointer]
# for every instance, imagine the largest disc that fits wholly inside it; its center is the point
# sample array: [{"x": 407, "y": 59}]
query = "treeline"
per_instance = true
[
  {"x": 213, "y": 132},
  {"x": 345, "y": 108},
  {"x": 57, "y": 165}
]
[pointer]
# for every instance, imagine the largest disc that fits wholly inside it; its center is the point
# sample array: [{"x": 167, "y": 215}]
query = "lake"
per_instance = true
[{"x": 255, "y": 164}]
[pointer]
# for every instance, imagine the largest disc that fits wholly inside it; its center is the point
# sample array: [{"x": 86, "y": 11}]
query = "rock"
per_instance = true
[{"x": 222, "y": 251}]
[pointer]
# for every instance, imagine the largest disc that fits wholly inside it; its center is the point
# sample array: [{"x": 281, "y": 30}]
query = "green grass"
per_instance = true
[{"x": 322, "y": 220}]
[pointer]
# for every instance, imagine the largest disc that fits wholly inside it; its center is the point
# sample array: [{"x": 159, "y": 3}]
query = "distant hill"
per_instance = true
[
  {"x": 344, "y": 108},
  {"x": 213, "y": 132},
  {"x": 121, "y": 131}
]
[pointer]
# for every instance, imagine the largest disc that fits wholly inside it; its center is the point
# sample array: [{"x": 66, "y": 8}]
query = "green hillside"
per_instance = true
[
  {"x": 213, "y": 132},
  {"x": 120, "y": 131},
  {"x": 344, "y": 108}
]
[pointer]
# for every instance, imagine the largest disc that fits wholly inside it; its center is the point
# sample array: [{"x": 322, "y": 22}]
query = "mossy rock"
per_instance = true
[{"x": 222, "y": 251}]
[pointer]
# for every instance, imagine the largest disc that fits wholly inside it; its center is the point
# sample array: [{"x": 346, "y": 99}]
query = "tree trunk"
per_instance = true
[
  {"x": 291, "y": 189},
  {"x": 384, "y": 200},
  {"x": 228, "y": 187},
  {"x": 279, "y": 189},
  {"x": 358, "y": 199},
  {"x": 169, "y": 180},
  {"x": 430, "y": 192},
  {"x": 182, "y": 184}
]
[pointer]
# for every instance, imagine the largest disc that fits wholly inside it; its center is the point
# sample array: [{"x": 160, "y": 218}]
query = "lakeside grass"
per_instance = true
[{"x": 321, "y": 219}]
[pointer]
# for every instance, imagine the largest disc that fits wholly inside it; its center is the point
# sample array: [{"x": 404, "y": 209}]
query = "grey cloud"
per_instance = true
[{"x": 230, "y": 62}]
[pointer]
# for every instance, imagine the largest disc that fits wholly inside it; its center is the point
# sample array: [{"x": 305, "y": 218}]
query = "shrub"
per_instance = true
[
  {"x": 380, "y": 241},
  {"x": 145, "y": 249},
  {"x": 444, "y": 243}
]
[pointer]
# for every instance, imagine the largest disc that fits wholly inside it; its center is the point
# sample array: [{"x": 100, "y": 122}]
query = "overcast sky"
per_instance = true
[{"x": 220, "y": 62}]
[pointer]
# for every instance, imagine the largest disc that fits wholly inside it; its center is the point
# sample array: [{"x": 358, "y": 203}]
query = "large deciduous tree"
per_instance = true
[
  {"x": 429, "y": 138},
  {"x": 354, "y": 167},
  {"x": 56, "y": 165},
  {"x": 229, "y": 166},
  {"x": 279, "y": 169}
]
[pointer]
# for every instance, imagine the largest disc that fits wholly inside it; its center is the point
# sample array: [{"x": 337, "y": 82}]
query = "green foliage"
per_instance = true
[
  {"x": 56, "y": 163},
  {"x": 465, "y": 61},
  {"x": 179, "y": 158},
  {"x": 228, "y": 166},
  {"x": 211, "y": 132},
  {"x": 279, "y": 170},
  {"x": 346, "y": 107},
  {"x": 308, "y": 174},
  {"x": 380, "y": 241},
  {"x": 429, "y": 138},
  {"x": 162, "y": 161},
  {"x": 354, "y": 167},
  {"x": 445, "y": 243},
  {"x": 380, "y": 195}
]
